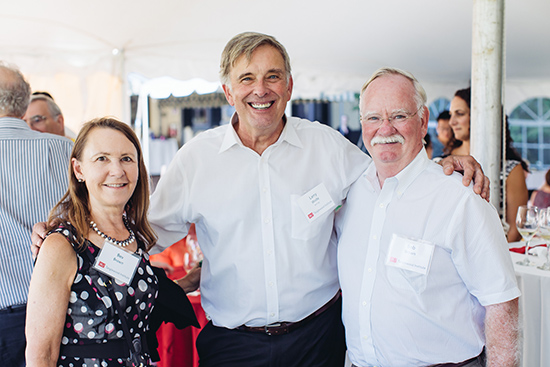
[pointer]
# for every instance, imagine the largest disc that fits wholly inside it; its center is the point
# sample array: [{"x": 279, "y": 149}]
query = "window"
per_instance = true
[{"x": 530, "y": 130}]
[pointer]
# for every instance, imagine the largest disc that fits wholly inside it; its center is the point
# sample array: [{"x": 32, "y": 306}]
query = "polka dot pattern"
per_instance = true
[{"x": 91, "y": 316}]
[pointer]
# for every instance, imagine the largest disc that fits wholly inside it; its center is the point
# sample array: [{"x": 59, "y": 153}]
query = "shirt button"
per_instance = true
[
  {"x": 369, "y": 270},
  {"x": 272, "y": 314},
  {"x": 264, "y": 189},
  {"x": 271, "y": 284},
  {"x": 382, "y": 205},
  {"x": 364, "y": 303},
  {"x": 266, "y": 221},
  {"x": 374, "y": 237}
]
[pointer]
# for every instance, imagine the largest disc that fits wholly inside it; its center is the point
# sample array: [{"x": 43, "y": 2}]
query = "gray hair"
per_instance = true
[
  {"x": 420, "y": 94},
  {"x": 245, "y": 44},
  {"x": 52, "y": 106},
  {"x": 14, "y": 91}
]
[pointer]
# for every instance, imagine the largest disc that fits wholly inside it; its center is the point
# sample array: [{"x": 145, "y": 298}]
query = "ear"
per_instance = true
[
  {"x": 61, "y": 120},
  {"x": 424, "y": 120},
  {"x": 77, "y": 168},
  {"x": 289, "y": 87},
  {"x": 228, "y": 94}
]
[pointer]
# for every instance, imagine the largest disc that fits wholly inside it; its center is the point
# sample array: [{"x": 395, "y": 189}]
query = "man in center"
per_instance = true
[{"x": 423, "y": 262}]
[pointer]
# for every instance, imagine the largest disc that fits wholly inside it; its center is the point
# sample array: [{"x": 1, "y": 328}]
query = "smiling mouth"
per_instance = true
[
  {"x": 261, "y": 106},
  {"x": 116, "y": 185}
]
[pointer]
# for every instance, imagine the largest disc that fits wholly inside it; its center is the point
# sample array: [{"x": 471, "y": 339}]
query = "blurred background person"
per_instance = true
[
  {"x": 541, "y": 197},
  {"x": 516, "y": 188},
  {"x": 44, "y": 115},
  {"x": 445, "y": 133},
  {"x": 33, "y": 177}
]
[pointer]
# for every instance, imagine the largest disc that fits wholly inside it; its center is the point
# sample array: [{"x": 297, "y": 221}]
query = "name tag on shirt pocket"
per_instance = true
[
  {"x": 309, "y": 211},
  {"x": 408, "y": 263}
]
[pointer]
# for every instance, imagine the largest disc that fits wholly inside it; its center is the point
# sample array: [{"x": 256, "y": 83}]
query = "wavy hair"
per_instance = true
[{"x": 245, "y": 44}]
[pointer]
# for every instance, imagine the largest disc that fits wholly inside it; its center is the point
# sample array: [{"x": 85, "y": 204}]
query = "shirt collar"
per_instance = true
[
  {"x": 231, "y": 137},
  {"x": 13, "y": 123},
  {"x": 404, "y": 178}
]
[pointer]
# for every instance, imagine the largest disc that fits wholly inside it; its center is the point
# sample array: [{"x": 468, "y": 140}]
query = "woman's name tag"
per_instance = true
[
  {"x": 409, "y": 254},
  {"x": 117, "y": 263}
]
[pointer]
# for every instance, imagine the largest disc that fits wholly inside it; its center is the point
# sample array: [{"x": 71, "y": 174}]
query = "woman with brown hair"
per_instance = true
[
  {"x": 516, "y": 188},
  {"x": 93, "y": 289}
]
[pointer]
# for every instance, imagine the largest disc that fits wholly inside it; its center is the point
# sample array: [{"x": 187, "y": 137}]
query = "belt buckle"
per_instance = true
[{"x": 267, "y": 327}]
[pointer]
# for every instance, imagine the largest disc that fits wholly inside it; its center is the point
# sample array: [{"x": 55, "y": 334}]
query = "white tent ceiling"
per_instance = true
[{"x": 334, "y": 45}]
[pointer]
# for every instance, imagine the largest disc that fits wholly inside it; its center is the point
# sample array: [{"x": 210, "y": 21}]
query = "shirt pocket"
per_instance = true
[
  {"x": 406, "y": 280},
  {"x": 302, "y": 229}
]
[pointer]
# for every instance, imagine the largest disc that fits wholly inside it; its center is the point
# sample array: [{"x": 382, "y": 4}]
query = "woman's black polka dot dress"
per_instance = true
[{"x": 91, "y": 315}]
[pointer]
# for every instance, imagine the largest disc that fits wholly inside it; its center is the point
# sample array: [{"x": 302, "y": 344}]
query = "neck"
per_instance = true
[
  {"x": 464, "y": 149},
  {"x": 259, "y": 140}
]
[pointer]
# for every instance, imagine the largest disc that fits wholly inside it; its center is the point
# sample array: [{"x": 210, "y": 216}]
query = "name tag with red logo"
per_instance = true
[
  {"x": 316, "y": 202},
  {"x": 409, "y": 254},
  {"x": 117, "y": 263}
]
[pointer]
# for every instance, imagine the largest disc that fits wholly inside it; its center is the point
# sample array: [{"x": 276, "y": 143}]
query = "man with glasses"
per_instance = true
[
  {"x": 44, "y": 115},
  {"x": 426, "y": 276}
]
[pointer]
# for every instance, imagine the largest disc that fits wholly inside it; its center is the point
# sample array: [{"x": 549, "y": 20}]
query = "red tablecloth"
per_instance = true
[{"x": 177, "y": 347}]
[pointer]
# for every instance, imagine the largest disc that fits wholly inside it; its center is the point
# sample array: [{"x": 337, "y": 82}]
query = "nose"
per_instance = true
[
  {"x": 260, "y": 88},
  {"x": 115, "y": 169},
  {"x": 386, "y": 126}
]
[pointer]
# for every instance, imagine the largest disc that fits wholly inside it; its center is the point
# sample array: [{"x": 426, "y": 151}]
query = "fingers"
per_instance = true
[{"x": 37, "y": 237}]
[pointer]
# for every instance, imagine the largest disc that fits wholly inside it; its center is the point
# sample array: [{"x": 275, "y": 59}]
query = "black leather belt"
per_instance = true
[
  {"x": 281, "y": 328},
  {"x": 11, "y": 309}
]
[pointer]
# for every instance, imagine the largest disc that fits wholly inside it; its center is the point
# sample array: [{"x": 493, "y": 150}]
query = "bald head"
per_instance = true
[{"x": 14, "y": 92}]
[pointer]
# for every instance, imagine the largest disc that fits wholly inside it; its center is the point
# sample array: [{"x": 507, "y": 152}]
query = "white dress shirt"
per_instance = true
[
  {"x": 397, "y": 317},
  {"x": 264, "y": 261}
]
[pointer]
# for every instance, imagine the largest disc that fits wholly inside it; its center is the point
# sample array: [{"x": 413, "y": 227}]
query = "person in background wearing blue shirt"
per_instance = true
[{"x": 33, "y": 177}]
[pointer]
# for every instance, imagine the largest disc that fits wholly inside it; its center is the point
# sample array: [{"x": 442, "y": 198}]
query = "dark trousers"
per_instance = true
[
  {"x": 12, "y": 337},
  {"x": 318, "y": 343}
]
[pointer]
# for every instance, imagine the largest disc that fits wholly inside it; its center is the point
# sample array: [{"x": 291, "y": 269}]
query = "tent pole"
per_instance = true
[{"x": 486, "y": 103}]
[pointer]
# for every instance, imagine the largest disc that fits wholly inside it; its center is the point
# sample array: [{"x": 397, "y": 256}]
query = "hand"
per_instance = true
[
  {"x": 471, "y": 170},
  {"x": 168, "y": 269},
  {"x": 191, "y": 281},
  {"x": 37, "y": 237}
]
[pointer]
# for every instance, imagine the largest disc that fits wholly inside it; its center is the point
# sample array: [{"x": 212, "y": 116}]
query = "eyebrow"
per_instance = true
[
  {"x": 399, "y": 110},
  {"x": 270, "y": 71}
]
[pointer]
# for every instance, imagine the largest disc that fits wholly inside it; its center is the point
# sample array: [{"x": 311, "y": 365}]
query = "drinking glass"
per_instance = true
[
  {"x": 544, "y": 232},
  {"x": 527, "y": 225}
]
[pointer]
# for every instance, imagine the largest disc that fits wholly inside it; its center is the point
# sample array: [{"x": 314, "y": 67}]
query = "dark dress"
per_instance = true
[{"x": 91, "y": 316}]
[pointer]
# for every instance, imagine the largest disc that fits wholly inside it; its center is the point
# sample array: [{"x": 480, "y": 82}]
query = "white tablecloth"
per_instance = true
[{"x": 534, "y": 305}]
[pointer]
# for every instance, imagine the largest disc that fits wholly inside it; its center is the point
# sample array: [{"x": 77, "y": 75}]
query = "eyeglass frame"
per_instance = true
[
  {"x": 33, "y": 121},
  {"x": 390, "y": 118}
]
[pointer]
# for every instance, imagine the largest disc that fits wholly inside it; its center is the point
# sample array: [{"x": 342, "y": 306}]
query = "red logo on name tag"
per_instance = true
[
  {"x": 101, "y": 264},
  {"x": 310, "y": 215},
  {"x": 393, "y": 259}
]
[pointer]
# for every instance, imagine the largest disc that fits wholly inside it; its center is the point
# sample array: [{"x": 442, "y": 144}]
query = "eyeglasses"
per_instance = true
[
  {"x": 396, "y": 118},
  {"x": 37, "y": 119}
]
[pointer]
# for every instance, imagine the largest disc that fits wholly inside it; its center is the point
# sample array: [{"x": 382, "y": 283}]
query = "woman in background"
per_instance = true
[{"x": 516, "y": 188}]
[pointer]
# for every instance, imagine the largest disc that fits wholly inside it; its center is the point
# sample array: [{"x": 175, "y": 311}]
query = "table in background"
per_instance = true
[
  {"x": 534, "y": 308},
  {"x": 177, "y": 347}
]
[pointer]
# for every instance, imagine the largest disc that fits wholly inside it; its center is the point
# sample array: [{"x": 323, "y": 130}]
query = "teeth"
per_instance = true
[
  {"x": 115, "y": 185},
  {"x": 261, "y": 106}
]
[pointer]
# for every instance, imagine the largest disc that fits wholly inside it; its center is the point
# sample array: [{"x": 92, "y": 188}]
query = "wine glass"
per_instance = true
[
  {"x": 527, "y": 225},
  {"x": 544, "y": 232}
]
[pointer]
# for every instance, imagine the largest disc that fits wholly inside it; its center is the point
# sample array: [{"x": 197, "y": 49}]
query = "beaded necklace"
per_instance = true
[{"x": 124, "y": 243}]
